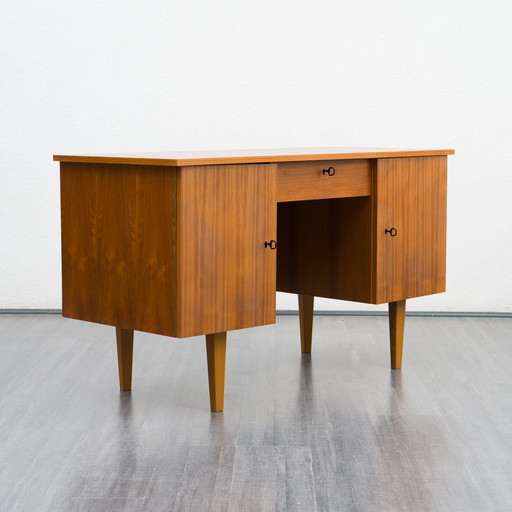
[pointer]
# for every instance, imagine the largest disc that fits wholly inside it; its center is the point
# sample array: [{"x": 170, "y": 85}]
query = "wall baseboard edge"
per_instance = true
[{"x": 291, "y": 312}]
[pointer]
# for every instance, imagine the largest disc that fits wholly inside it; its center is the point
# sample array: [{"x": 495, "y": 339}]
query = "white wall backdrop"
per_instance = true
[{"x": 113, "y": 76}]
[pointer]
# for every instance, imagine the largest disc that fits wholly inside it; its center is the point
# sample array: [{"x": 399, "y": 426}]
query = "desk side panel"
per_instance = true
[{"x": 118, "y": 245}]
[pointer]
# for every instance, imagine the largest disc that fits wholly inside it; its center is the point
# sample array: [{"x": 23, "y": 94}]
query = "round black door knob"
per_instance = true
[
  {"x": 272, "y": 244},
  {"x": 330, "y": 172}
]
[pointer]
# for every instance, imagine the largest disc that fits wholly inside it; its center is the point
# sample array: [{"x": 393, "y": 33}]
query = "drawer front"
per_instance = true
[{"x": 301, "y": 181}]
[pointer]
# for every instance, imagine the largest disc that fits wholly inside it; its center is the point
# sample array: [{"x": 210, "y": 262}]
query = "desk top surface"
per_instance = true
[{"x": 246, "y": 156}]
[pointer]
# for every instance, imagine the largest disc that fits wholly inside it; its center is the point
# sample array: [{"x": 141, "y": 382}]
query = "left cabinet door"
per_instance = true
[{"x": 226, "y": 276}]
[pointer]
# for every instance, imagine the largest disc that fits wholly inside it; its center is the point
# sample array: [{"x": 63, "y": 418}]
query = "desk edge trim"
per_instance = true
[{"x": 184, "y": 162}]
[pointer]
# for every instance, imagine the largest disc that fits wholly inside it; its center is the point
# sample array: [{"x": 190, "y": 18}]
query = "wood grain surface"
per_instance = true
[
  {"x": 246, "y": 156},
  {"x": 338, "y": 248},
  {"x": 226, "y": 275},
  {"x": 118, "y": 252},
  {"x": 300, "y": 181},
  {"x": 396, "y": 332},
  {"x": 410, "y": 196},
  {"x": 306, "y": 305},
  {"x": 325, "y": 248},
  {"x": 216, "y": 358},
  {"x": 144, "y": 250},
  {"x": 124, "y": 339}
]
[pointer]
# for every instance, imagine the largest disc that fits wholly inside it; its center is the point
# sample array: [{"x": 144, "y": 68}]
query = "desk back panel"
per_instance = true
[
  {"x": 325, "y": 248},
  {"x": 118, "y": 245}
]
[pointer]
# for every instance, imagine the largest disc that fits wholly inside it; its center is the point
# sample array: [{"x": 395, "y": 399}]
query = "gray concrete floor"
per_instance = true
[{"x": 334, "y": 431}]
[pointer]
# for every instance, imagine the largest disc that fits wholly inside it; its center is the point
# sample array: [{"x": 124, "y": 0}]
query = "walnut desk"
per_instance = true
[{"x": 197, "y": 243}]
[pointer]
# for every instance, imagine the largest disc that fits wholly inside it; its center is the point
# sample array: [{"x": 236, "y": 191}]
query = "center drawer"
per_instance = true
[{"x": 323, "y": 179}]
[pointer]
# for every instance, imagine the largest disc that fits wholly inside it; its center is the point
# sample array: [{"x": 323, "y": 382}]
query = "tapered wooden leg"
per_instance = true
[
  {"x": 216, "y": 355},
  {"x": 396, "y": 332},
  {"x": 124, "y": 339},
  {"x": 306, "y": 303}
]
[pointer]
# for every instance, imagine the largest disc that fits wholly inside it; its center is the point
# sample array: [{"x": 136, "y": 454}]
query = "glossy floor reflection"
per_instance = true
[{"x": 334, "y": 431}]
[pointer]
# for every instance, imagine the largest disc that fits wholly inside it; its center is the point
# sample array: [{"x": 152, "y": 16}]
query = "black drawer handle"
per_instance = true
[
  {"x": 331, "y": 171},
  {"x": 392, "y": 231},
  {"x": 272, "y": 244}
]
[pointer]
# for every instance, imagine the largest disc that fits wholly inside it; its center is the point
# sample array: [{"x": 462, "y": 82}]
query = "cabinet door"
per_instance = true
[
  {"x": 410, "y": 196},
  {"x": 226, "y": 275}
]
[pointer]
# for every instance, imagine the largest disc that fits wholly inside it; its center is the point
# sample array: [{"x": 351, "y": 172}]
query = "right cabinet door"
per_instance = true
[{"x": 409, "y": 227}]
